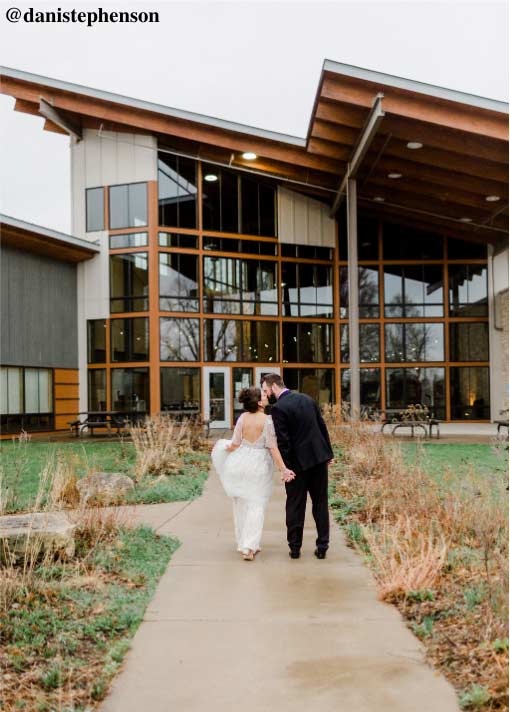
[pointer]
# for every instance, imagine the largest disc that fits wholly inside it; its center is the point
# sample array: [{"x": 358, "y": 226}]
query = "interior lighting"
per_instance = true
[
  {"x": 394, "y": 176},
  {"x": 413, "y": 145},
  {"x": 211, "y": 177},
  {"x": 379, "y": 199},
  {"x": 492, "y": 198},
  {"x": 249, "y": 156},
  {"x": 466, "y": 220}
]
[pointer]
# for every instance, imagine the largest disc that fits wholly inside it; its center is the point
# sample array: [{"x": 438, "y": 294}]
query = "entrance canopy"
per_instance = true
[{"x": 434, "y": 157}]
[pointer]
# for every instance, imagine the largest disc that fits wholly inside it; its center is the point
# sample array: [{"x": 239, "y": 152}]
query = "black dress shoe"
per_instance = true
[
  {"x": 320, "y": 553},
  {"x": 294, "y": 554}
]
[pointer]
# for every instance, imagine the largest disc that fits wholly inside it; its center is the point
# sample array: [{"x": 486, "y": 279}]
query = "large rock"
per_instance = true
[
  {"x": 29, "y": 535},
  {"x": 104, "y": 488}
]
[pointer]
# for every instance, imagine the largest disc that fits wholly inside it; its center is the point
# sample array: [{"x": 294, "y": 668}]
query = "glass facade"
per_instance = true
[
  {"x": 179, "y": 339},
  {"x": 178, "y": 282},
  {"x": 177, "y": 191},
  {"x": 129, "y": 282},
  {"x": 233, "y": 286},
  {"x": 180, "y": 389},
  {"x": 26, "y": 399},
  {"x": 305, "y": 342},
  {"x": 96, "y": 389},
  {"x": 307, "y": 289},
  {"x": 242, "y": 341},
  {"x": 94, "y": 209},
  {"x": 128, "y": 205},
  {"x": 130, "y": 239},
  {"x": 129, "y": 339},
  {"x": 470, "y": 393},
  {"x": 96, "y": 341},
  {"x": 408, "y": 342},
  {"x": 130, "y": 390},
  {"x": 417, "y": 386},
  {"x": 318, "y": 383}
]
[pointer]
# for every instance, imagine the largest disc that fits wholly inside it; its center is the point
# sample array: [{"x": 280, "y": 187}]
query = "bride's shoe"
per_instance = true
[{"x": 249, "y": 556}]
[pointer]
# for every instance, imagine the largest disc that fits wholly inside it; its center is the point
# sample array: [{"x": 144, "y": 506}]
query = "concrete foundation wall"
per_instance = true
[{"x": 498, "y": 324}]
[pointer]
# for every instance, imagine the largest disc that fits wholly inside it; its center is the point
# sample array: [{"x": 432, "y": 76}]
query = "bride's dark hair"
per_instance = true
[{"x": 250, "y": 398}]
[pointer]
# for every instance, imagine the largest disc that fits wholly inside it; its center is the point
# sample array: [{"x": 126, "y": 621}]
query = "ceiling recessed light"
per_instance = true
[
  {"x": 211, "y": 177},
  {"x": 394, "y": 176},
  {"x": 413, "y": 145},
  {"x": 249, "y": 156},
  {"x": 466, "y": 220},
  {"x": 492, "y": 198},
  {"x": 379, "y": 199}
]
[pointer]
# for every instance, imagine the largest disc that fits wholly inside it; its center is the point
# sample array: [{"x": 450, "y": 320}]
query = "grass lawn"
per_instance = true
[
  {"x": 460, "y": 459},
  {"x": 66, "y": 629},
  {"x": 22, "y": 464}
]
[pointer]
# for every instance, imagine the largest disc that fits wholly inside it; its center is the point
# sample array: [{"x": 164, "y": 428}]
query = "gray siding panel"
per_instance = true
[{"x": 38, "y": 311}]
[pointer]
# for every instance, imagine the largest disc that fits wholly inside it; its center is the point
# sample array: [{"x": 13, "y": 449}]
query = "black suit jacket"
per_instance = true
[{"x": 301, "y": 432}]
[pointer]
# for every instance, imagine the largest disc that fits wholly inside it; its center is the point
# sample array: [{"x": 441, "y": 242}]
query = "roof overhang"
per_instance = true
[
  {"x": 463, "y": 159},
  {"x": 25, "y": 236}
]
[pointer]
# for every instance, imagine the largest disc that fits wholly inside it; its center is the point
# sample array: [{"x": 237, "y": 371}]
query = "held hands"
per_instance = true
[{"x": 287, "y": 475}]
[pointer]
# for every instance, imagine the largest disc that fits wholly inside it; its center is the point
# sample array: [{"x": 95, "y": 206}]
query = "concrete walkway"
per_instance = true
[{"x": 275, "y": 635}]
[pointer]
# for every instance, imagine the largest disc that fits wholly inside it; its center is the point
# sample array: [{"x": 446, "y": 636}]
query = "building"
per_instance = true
[{"x": 367, "y": 262}]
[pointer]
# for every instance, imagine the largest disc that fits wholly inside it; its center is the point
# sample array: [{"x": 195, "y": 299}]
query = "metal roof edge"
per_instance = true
[
  {"x": 459, "y": 97},
  {"x": 151, "y": 106},
  {"x": 47, "y": 232}
]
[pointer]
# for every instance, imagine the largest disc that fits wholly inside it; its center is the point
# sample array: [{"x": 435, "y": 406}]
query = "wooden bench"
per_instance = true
[
  {"x": 416, "y": 420},
  {"x": 501, "y": 424}
]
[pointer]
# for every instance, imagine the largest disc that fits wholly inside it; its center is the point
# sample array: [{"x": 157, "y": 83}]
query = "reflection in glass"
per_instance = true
[
  {"x": 243, "y": 378},
  {"x": 368, "y": 238},
  {"x": 38, "y": 390},
  {"x": 307, "y": 343},
  {"x": 469, "y": 393},
  {"x": 467, "y": 290},
  {"x": 469, "y": 342},
  {"x": 368, "y": 343},
  {"x": 170, "y": 239},
  {"x": 258, "y": 207},
  {"x": 177, "y": 191},
  {"x": 96, "y": 389},
  {"x": 129, "y": 282},
  {"x": 216, "y": 396},
  {"x": 94, "y": 209},
  {"x": 11, "y": 390},
  {"x": 220, "y": 199},
  {"x": 413, "y": 291},
  {"x": 416, "y": 386},
  {"x": 368, "y": 285},
  {"x": 311, "y": 252},
  {"x": 307, "y": 289},
  {"x": 180, "y": 389},
  {"x": 232, "y": 244},
  {"x": 244, "y": 341},
  {"x": 130, "y": 339},
  {"x": 318, "y": 383},
  {"x": 96, "y": 341},
  {"x": 179, "y": 339},
  {"x": 130, "y": 239},
  {"x": 233, "y": 286},
  {"x": 370, "y": 388},
  {"x": 178, "y": 282},
  {"x": 130, "y": 389},
  {"x": 128, "y": 205},
  {"x": 414, "y": 342},
  {"x": 408, "y": 243}
]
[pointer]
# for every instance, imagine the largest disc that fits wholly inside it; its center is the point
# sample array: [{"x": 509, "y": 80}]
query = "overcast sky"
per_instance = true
[{"x": 253, "y": 62}]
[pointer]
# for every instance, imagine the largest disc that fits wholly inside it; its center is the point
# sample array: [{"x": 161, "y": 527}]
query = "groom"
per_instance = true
[{"x": 304, "y": 443}]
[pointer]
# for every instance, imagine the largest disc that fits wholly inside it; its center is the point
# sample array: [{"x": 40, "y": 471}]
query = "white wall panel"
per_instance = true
[{"x": 303, "y": 220}]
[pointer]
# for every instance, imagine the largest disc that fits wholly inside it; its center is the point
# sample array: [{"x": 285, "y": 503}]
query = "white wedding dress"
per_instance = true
[{"x": 247, "y": 477}]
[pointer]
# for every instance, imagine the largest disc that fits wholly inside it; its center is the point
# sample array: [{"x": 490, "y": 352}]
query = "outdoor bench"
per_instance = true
[
  {"x": 396, "y": 419},
  {"x": 501, "y": 424}
]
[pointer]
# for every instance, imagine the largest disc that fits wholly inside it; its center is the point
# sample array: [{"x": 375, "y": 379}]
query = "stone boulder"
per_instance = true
[
  {"x": 103, "y": 488},
  {"x": 31, "y": 535}
]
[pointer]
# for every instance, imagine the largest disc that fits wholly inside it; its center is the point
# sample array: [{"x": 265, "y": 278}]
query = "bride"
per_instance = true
[{"x": 245, "y": 467}]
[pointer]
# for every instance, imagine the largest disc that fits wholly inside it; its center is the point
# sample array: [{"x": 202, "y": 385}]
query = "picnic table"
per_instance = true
[
  {"x": 502, "y": 424},
  {"x": 416, "y": 419},
  {"x": 106, "y": 419}
]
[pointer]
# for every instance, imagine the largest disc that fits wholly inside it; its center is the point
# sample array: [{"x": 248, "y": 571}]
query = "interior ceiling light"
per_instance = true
[
  {"x": 249, "y": 156},
  {"x": 466, "y": 220},
  {"x": 492, "y": 198},
  {"x": 379, "y": 199},
  {"x": 394, "y": 176},
  {"x": 211, "y": 177},
  {"x": 413, "y": 145}
]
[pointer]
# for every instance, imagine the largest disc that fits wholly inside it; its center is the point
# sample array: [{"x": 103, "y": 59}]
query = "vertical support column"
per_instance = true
[
  {"x": 154, "y": 357},
  {"x": 352, "y": 256}
]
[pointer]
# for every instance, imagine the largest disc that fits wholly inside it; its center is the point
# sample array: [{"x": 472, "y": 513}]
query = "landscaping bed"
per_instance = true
[{"x": 432, "y": 523}]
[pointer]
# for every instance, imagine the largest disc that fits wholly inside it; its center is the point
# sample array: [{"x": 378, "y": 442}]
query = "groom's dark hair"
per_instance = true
[{"x": 272, "y": 378}]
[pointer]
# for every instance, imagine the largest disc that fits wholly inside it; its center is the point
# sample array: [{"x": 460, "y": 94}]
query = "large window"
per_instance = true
[
  {"x": 234, "y": 340},
  {"x": 407, "y": 243},
  {"x": 369, "y": 349},
  {"x": 96, "y": 341},
  {"x": 178, "y": 282},
  {"x": 129, "y": 282},
  {"x": 242, "y": 378},
  {"x": 179, "y": 339},
  {"x": 305, "y": 342},
  {"x": 467, "y": 290},
  {"x": 172, "y": 239},
  {"x": 180, "y": 389},
  {"x": 307, "y": 289},
  {"x": 416, "y": 386},
  {"x": 233, "y": 286},
  {"x": 130, "y": 239},
  {"x": 410, "y": 342},
  {"x": 469, "y": 393},
  {"x": 96, "y": 378},
  {"x": 26, "y": 398},
  {"x": 413, "y": 291},
  {"x": 128, "y": 205},
  {"x": 469, "y": 341},
  {"x": 130, "y": 339},
  {"x": 368, "y": 292},
  {"x": 318, "y": 383},
  {"x": 177, "y": 191},
  {"x": 234, "y": 244},
  {"x": 234, "y": 202},
  {"x": 370, "y": 388},
  {"x": 94, "y": 199},
  {"x": 130, "y": 389}
]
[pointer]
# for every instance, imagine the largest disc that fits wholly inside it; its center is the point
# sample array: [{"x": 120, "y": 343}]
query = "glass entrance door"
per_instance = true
[{"x": 217, "y": 397}]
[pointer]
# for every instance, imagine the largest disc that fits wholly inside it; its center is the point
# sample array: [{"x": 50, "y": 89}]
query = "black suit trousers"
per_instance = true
[{"x": 315, "y": 482}]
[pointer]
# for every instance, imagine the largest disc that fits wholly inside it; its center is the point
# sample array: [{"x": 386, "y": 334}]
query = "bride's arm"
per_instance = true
[
  {"x": 237, "y": 436},
  {"x": 272, "y": 446}
]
